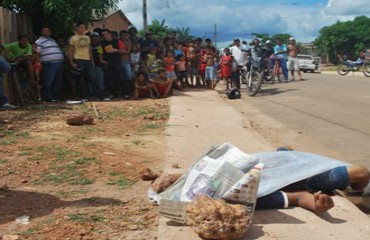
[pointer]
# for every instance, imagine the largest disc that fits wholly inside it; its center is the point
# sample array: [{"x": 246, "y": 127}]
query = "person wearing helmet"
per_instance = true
[{"x": 292, "y": 59}]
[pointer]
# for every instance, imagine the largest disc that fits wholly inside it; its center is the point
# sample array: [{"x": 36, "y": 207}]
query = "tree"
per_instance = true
[
  {"x": 158, "y": 29},
  {"x": 345, "y": 39},
  {"x": 60, "y": 15},
  {"x": 183, "y": 34}
]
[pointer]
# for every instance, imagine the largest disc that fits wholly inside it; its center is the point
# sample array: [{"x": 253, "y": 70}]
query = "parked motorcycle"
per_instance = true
[{"x": 347, "y": 66}]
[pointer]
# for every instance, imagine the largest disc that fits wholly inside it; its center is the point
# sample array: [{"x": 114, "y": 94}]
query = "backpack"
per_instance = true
[{"x": 233, "y": 94}]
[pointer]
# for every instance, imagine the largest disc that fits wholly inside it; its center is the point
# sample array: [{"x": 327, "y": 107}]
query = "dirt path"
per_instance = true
[{"x": 80, "y": 182}]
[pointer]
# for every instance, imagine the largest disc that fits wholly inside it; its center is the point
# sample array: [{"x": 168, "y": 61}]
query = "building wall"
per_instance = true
[{"x": 114, "y": 22}]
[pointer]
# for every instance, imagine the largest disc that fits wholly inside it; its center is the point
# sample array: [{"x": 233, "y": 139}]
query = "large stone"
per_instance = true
[
  {"x": 78, "y": 118},
  {"x": 164, "y": 181}
]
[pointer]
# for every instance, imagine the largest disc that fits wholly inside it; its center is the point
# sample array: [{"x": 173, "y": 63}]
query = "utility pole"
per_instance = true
[
  {"x": 215, "y": 34},
  {"x": 145, "y": 16}
]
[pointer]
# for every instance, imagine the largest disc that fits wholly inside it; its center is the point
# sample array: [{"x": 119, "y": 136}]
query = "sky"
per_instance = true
[{"x": 240, "y": 18}]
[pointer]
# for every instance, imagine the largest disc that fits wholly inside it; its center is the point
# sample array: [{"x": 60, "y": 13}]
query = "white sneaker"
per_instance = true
[
  {"x": 107, "y": 99},
  {"x": 84, "y": 100}
]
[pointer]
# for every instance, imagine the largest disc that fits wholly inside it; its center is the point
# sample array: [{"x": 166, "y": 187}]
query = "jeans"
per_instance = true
[
  {"x": 126, "y": 65},
  {"x": 114, "y": 77},
  {"x": 284, "y": 67},
  {"x": 88, "y": 74},
  {"x": 52, "y": 78},
  {"x": 99, "y": 73},
  {"x": 4, "y": 68}
]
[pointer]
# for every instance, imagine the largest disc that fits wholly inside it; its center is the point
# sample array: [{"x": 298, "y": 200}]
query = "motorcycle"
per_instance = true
[{"x": 347, "y": 66}]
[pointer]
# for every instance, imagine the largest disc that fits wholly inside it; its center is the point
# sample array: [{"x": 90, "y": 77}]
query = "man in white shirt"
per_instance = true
[
  {"x": 239, "y": 54},
  {"x": 51, "y": 58}
]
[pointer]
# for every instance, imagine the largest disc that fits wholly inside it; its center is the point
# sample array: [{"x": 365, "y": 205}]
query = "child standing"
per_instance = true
[
  {"x": 226, "y": 61},
  {"x": 135, "y": 59},
  {"x": 150, "y": 63},
  {"x": 181, "y": 71},
  {"x": 169, "y": 66},
  {"x": 194, "y": 64}
]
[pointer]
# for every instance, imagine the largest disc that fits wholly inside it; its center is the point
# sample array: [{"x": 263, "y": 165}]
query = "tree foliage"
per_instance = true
[
  {"x": 60, "y": 14},
  {"x": 158, "y": 29},
  {"x": 344, "y": 38}
]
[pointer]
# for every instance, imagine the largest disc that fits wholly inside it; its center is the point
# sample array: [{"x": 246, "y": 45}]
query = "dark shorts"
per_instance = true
[{"x": 327, "y": 182}]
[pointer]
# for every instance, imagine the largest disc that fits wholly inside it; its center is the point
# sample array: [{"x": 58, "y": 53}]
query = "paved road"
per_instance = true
[{"x": 326, "y": 113}]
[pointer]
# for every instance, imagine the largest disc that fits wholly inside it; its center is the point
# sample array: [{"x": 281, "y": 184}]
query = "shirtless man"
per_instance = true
[
  {"x": 293, "y": 60},
  {"x": 125, "y": 56}
]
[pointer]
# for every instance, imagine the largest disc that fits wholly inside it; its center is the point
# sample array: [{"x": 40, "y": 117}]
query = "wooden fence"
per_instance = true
[{"x": 12, "y": 24}]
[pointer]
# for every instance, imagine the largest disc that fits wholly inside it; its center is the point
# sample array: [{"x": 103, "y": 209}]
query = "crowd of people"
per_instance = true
[{"x": 105, "y": 65}]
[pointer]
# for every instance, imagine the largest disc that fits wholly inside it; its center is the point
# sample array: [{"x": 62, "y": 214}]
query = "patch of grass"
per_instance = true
[
  {"x": 85, "y": 160},
  {"x": 121, "y": 182},
  {"x": 93, "y": 129},
  {"x": 24, "y": 153},
  {"x": 68, "y": 174},
  {"x": 23, "y": 135},
  {"x": 30, "y": 231},
  {"x": 114, "y": 173},
  {"x": 9, "y": 132},
  {"x": 3, "y": 160},
  {"x": 78, "y": 217},
  {"x": 34, "y": 158},
  {"x": 59, "y": 153},
  {"x": 150, "y": 126},
  {"x": 7, "y": 141},
  {"x": 82, "y": 218},
  {"x": 136, "y": 142},
  {"x": 64, "y": 194}
]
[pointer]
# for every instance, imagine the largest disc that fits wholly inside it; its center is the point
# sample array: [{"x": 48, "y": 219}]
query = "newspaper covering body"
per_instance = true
[{"x": 224, "y": 172}]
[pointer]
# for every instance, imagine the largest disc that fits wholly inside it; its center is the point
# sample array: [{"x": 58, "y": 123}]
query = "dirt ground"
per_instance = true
[{"x": 80, "y": 182}]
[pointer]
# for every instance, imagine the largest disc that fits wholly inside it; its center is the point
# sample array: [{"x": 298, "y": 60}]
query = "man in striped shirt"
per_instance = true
[{"x": 51, "y": 58}]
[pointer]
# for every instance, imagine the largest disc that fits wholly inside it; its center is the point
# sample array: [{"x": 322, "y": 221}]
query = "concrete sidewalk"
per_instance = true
[{"x": 199, "y": 119}]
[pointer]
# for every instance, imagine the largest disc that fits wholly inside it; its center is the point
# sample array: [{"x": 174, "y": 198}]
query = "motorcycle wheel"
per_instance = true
[
  {"x": 343, "y": 69},
  {"x": 254, "y": 83},
  {"x": 366, "y": 69}
]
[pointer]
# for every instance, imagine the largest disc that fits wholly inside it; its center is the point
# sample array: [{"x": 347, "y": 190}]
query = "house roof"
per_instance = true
[{"x": 111, "y": 12}]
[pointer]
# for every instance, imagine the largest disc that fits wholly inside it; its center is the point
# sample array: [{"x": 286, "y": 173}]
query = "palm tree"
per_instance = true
[{"x": 183, "y": 34}]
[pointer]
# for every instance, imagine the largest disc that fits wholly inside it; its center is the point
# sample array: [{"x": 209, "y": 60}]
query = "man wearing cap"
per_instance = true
[{"x": 292, "y": 59}]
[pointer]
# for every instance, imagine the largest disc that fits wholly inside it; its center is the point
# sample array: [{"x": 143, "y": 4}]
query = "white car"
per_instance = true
[{"x": 306, "y": 63}]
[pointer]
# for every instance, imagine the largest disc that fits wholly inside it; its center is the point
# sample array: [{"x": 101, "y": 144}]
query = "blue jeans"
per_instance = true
[
  {"x": 4, "y": 68},
  {"x": 284, "y": 67},
  {"x": 52, "y": 78},
  {"x": 126, "y": 65},
  {"x": 99, "y": 73}
]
